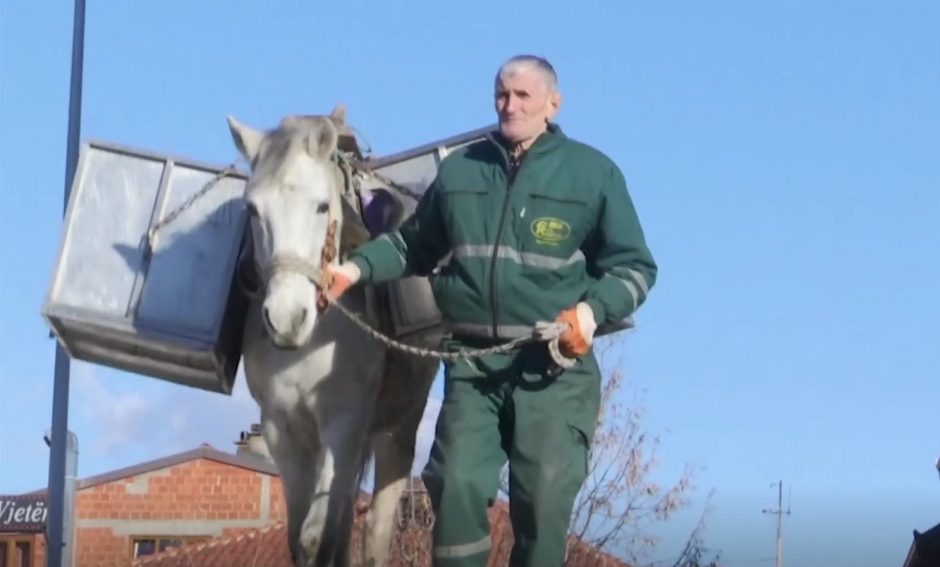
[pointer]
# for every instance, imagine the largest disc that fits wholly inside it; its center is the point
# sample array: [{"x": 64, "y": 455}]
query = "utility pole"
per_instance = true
[{"x": 779, "y": 512}]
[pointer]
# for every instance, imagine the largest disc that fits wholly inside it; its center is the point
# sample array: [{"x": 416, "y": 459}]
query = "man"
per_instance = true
[{"x": 538, "y": 227}]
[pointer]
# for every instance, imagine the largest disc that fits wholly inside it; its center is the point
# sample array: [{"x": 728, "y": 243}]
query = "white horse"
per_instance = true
[{"x": 329, "y": 394}]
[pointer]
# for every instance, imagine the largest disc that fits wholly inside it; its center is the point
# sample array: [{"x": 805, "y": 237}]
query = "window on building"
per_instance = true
[
  {"x": 23, "y": 555},
  {"x": 16, "y": 552},
  {"x": 148, "y": 545}
]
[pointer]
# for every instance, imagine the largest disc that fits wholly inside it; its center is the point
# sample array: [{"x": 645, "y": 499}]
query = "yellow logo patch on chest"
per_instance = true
[{"x": 549, "y": 230}]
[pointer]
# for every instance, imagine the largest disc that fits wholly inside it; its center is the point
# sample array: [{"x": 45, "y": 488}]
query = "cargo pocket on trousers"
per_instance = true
[{"x": 584, "y": 443}]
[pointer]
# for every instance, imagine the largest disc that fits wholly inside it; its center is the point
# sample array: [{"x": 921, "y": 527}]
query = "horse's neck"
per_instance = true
[{"x": 350, "y": 228}]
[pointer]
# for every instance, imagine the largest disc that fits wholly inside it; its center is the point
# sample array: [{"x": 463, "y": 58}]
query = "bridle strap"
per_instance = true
[
  {"x": 291, "y": 263},
  {"x": 317, "y": 274},
  {"x": 327, "y": 255}
]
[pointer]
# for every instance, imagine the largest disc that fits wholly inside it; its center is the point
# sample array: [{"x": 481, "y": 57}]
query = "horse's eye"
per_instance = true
[
  {"x": 251, "y": 208},
  {"x": 323, "y": 207}
]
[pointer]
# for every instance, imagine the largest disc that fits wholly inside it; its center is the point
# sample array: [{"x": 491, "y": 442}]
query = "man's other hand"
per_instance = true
[
  {"x": 341, "y": 278},
  {"x": 577, "y": 338}
]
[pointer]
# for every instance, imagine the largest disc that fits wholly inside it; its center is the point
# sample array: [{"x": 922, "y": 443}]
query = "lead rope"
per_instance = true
[{"x": 549, "y": 332}]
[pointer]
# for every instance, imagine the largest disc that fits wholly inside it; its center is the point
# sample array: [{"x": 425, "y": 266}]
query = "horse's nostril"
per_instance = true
[
  {"x": 267, "y": 317},
  {"x": 301, "y": 317}
]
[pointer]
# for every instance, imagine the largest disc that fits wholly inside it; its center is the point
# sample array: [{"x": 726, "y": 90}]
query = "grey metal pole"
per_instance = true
[
  {"x": 55, "y": 541},
  {"x": 71, "y": 487}
]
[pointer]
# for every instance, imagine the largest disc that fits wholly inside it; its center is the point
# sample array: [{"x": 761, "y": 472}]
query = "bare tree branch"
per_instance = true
[{"x": 620, "y": 503}]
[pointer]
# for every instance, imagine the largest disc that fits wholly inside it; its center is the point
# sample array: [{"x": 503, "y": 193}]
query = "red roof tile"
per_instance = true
[
  {"x": 264, "y": 546},
  {"x": 579, "y": 554},
  {"x": 268, "y": 547}
]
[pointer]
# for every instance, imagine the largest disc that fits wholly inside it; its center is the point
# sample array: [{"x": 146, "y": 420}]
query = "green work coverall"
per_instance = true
[{"x": 507, "y": 246}]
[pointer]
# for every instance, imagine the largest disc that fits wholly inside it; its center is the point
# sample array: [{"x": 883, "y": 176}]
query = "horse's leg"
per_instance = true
[
  {"x": 342, "y": 433},
  {"x": 295, "y": 460},
  {"x": 395, "y": 447},
  {"x": 345, "y": 523},
  {"x": 394, "y": 454}
]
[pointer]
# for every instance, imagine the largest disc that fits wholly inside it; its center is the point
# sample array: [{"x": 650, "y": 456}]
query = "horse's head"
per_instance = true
[{"x": 293, "y": 195}]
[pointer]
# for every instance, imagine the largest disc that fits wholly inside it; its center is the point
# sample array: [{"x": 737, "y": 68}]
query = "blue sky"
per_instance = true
[{"x": 783, "y": 157}]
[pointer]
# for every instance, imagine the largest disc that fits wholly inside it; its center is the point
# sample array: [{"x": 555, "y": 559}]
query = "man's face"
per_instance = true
[{"x": 524, "y": 105}]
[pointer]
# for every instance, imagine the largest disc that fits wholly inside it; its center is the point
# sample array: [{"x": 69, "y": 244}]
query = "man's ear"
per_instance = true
[{"x": 554, "y": 103}]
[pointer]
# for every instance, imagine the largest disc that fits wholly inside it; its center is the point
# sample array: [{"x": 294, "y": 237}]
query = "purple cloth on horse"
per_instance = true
[{"x": 376, "y": 208}]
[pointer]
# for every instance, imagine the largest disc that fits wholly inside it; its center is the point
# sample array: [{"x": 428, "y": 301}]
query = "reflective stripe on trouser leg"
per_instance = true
[
  {"x": 462, "y": 473},
  {"x": 462, "y": 550}
]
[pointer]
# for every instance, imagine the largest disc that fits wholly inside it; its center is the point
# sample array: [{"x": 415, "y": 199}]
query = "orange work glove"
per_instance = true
[
  {"x": 341, "y": 277},
  {"x": 577, "y": 339}
]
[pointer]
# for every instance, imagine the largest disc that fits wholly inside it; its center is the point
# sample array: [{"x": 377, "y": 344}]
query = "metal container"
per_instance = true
[
  {"x": 165, "y": 307},
  {"x": 412, "y": 310}
]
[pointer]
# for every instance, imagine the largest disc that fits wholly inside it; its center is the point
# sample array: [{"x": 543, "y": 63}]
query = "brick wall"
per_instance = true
[
  {"x": 198, "y": 498},
  {"x": 278, "y": 507},
  {"x": 39, "y": 550}
]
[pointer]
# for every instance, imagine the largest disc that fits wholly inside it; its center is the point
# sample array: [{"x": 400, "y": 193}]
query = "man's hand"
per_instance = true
[
  {"x": 341, "y": 278},
  {"x": 577, "y": 339}
]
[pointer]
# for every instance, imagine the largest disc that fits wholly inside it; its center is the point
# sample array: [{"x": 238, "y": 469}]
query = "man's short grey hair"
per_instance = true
[{"x": 524, "y": 62}]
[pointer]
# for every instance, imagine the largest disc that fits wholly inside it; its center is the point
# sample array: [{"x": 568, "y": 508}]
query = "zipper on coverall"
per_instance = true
[{"x": 512, "y": 168}]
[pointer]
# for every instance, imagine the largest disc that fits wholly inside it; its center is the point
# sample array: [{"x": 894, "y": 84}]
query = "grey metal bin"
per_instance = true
[{"x": 174, "y": 313}]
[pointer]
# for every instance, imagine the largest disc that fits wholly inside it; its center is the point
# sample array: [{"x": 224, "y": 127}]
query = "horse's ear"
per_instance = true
[
  {"x": 247, "y": 140},
  {"x": 321, "y": 142},
  {"x": 339, "y": 114}
]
